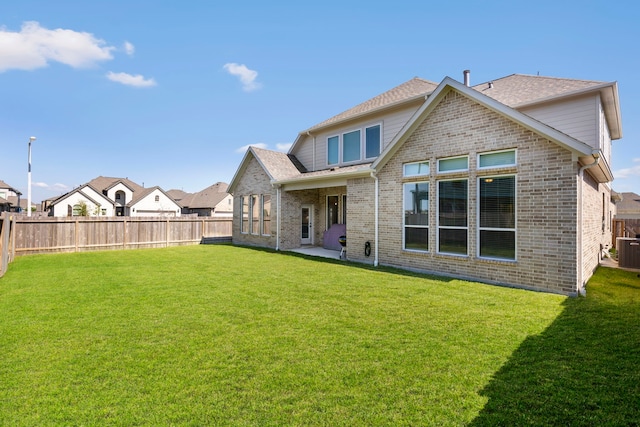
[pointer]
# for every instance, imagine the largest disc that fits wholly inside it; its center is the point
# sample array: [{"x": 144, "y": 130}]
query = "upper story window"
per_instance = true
[
  {"x": 354, "y": 146},
  {"x": 157, "y": 198},
  {"x": 453, "y": 164},
  {"x": 416, "y": 169},
  {"x": 497, "y": 159}
]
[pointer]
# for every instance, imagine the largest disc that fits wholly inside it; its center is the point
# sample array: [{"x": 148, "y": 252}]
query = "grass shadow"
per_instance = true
[{"x": 584, "y": 370}]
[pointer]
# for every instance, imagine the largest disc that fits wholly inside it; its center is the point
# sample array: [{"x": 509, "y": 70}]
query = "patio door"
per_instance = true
[{"x": 306, "y": 236}]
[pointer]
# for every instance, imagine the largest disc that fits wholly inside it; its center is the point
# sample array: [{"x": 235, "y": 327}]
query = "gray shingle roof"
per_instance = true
[
  {"x": 207, "y": 198},
  {"x": 106, "y": 182},
  {"x": 522, "y": 89},
  {"x": 5, "y": 185},
  {"x": 414, "y": 88},
  {"x": 630, "y": 204},
  {"x": 278, "y": 165},
  {"x": 513, "y": 90}
]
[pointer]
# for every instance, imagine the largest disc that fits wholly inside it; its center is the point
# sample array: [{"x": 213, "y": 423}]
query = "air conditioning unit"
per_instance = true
[{"x": 628, "y": 252}]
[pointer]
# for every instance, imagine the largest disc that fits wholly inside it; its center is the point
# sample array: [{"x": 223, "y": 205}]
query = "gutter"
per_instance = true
[
  {"x": 596, "y": 156},
  {"x": 362, "y": 172}
]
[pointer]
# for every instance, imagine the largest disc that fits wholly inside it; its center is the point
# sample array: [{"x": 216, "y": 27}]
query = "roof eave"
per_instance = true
[{"x": 358, "y": 173}]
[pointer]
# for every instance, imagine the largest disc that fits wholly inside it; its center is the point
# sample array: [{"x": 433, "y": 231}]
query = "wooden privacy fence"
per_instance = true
[{"x": 20, "y": 235}]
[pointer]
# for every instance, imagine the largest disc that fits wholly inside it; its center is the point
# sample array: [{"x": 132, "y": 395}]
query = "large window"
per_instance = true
[
  {"x": 372, "y": 142},
  {"x": 416, "y": 216},
  {"x": 244, "y": 224},
  {"x": 333, "y": 150},
  {"x": 351, "y": 146},
  {"x": 453, "y": 217},
  {"x": 255, "y": 215},
  {"x": 497, "y": 217},
  {"x": 358, "y": 144},
  {"x": 266, "y": 214}
]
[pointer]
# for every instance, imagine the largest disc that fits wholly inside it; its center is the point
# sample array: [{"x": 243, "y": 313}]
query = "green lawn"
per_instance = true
[{"x": 222, "y": 335}]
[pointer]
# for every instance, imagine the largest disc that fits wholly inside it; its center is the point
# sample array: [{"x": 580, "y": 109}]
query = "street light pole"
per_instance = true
[{"x": 31, "y": 139}]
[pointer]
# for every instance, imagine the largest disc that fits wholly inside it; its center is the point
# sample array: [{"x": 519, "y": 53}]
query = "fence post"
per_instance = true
[
  {"x": 12, "y": 237},
  {"x": 124, "y": 234},
  {"x": 4, "y": 243}
]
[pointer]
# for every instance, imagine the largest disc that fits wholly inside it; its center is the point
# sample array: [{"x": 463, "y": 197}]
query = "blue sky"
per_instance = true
[{"x": 172, "y": 93}]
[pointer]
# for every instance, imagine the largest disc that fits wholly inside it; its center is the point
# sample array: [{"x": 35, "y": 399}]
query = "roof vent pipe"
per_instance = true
[{"x": 466, "y": 77}]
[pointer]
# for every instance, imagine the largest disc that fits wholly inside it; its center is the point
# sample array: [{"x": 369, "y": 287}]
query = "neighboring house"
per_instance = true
[
  {"x": 628, "y": 206},
  {"x": 106, "y": 196},
  {"x": 10, "y": 198},
  {"x": 506, "y": 182},
  {"x": 628, "y": 210},
  {"x": 212, "y": 201}
]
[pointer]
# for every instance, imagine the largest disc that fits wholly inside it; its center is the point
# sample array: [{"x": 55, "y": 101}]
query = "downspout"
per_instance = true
[
  {"x": 279, "y": 212},
  {"x": 376, "y": 204},
  {"x": 596, "y": 156}
]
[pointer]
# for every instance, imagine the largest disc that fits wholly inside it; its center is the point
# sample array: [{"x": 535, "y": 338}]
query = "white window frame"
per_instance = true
[
  {"x": 506, "y": 165},
  {"x": 515, "y": 218},
  {"x": 404, "y": 225},
  {"x": 363, "y": 145},
  {"x": 339, "y": 145},
  {"x": 450, "y": 227},
  {"x": 254, "y": 202},
  {"x": 453, "y": 158},
  {"x": 424, "y": 162},
  {"x": 364, "y": 141}
]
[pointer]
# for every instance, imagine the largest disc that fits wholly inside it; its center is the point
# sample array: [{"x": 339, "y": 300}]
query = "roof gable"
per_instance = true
[
  {"x": 106, "y": 183},
  {"x": 80, "y": 190},
  {"x": 448, "y": 84},
  {"x": 139, "y": 196},
  {"x": 276, "y": 165}
]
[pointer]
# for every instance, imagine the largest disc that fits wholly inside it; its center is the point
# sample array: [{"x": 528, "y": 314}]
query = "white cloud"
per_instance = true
[
  {"x": 55, "y": 187},
  {"x": 129, "y": 48},
  {"x": 130, "y": 80},
  {"x": 247, "y": 77},
  {"x": 35, "y": 47},
  {"x": 59, "y": 186},
  {"x": 283, "y": 147},
  {"x": 246, "y": 147},
  {"x": 628, "y": 172}
]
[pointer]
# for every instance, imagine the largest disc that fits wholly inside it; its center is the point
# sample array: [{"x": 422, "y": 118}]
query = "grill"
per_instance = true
[{"x": 343, "y": 242}]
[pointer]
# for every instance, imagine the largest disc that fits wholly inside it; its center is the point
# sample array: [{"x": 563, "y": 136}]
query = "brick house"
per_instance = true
[{"x": 506, "y": 182}]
